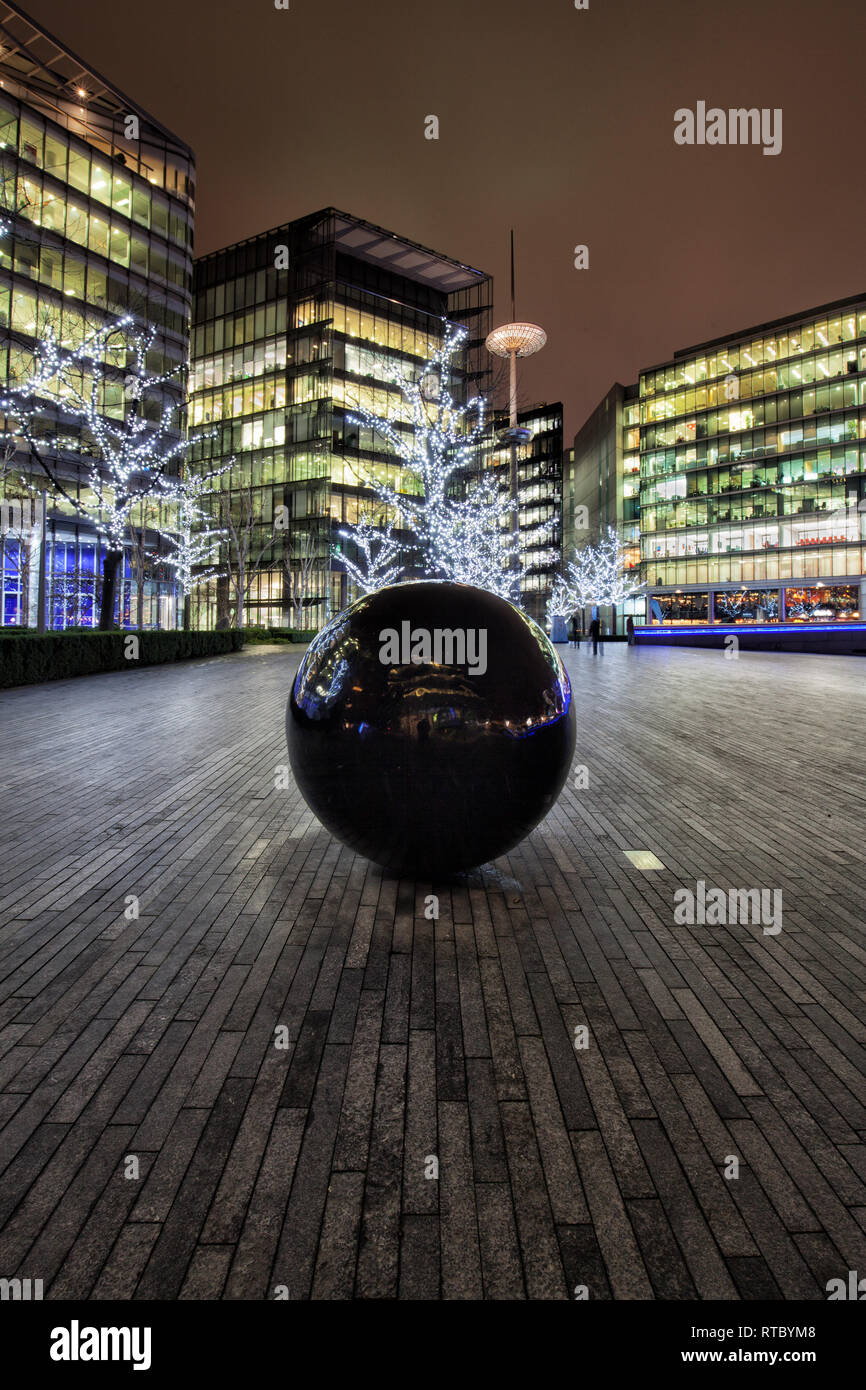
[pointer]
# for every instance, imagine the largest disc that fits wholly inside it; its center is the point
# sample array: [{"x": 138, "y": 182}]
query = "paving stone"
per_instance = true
[
  {"x": 419, "y": 1257},
  {"x": 415, "y": 1039}
]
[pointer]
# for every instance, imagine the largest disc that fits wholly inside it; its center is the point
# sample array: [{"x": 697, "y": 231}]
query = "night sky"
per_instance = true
[{"x": 557, "y": 121}]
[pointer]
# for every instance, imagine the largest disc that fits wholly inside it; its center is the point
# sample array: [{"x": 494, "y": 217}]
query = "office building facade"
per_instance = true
[
  {"x": 294, "y": 331},
  {"x": 97, "y": 222},
  {"x": 753, "y": 473},
  {"x": 602, "y": 490},
  {"x": 539, "y": 489}
]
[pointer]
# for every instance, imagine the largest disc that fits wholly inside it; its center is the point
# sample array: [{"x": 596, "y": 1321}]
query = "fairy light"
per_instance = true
[
  {"x": 378, "y": 555},
  {"x": 194, "y": 543},
  {"x": 130, "y": 460},
  {"x": 462, "y": 539},
  {"x": 595, "y": 575}
]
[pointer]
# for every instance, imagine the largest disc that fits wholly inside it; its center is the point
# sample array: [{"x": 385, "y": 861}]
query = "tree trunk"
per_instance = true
[
  {"x": 187, "y": 612},
  {"x": 223, "y": 600},
  {"x": 110, "y": 568}
]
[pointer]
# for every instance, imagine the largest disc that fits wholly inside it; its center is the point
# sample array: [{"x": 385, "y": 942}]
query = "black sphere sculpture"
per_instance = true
[{"x": 430, "y": 727}]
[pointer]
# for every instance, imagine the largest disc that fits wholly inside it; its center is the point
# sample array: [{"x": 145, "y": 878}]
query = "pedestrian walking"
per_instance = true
[{"x": 595, "y": 633}]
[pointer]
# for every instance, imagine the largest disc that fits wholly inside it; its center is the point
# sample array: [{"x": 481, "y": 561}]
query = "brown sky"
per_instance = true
[{"x": 554, "y": 120}]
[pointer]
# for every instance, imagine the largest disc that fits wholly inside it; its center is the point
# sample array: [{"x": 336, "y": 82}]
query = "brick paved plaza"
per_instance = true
[{"x": 302, "y": 1168}]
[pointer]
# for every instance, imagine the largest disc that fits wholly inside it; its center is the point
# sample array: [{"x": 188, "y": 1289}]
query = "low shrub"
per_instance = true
[
  {"x": 279, "y": 634},
  {"x": 27, "y": 658}
]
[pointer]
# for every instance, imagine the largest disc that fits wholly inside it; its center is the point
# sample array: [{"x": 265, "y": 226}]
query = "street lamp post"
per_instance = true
[{"x": 513, "y": 340}]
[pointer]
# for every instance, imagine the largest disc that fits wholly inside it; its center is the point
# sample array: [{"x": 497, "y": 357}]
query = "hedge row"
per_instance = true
[
  {"x": 279, "y": 634},
  {"x": 27, "y": 658}
]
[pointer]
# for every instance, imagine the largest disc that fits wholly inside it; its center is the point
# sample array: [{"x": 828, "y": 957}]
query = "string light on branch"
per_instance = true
[
  {"x": 101, "y": 398},
  {"x": 595, "y": 575},
  {"x": 130, "y": 458},
  {"x": 194, "y": 544},
  {"x": 461, "y": 524},
  {"x": 378, "y": 563}
]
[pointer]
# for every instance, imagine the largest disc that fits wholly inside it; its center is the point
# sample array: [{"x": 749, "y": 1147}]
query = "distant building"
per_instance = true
[
  {"x": 603, "y": 477},
  {"x": 753, "y": 473},
  {"x": 97, "y": 222},
  {"x": 751, "y": 504},
  {"x": 539, "y": 478},
  {"x": 294, "y": 330}
]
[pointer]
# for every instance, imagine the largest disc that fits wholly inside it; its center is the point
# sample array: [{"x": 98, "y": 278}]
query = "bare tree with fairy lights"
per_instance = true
[
  {"x": 596, "y": 574},
  {"x": 378, "y": 555},
  {"x": 130, "y": 442},
  {"x": 193, "y": 544},
  {"x": 461, "y": 522}
]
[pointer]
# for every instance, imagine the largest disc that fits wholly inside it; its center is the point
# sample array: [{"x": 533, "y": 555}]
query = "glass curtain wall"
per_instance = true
[
  {"x": 539, "y": 483},
  {"x": 293, "y": 337},
  {"x": 753, "y": 458},
  {"x": 92, "y": 227}
]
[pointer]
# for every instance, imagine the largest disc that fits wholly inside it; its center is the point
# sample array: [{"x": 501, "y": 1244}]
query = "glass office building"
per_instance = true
[
  {"x": 753, "y": 473},
  {"x": 294, "y": 330},
  {"x": 539, "y": 490},
  {"x": 96, "y": 222},
  {"x": 602, "y": 490}
]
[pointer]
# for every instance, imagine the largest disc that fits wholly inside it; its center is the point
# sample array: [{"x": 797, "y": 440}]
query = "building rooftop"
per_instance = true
[
  {"x": 368, "y": 242},
  {"x": 746, "y": 334},
  {"x": 32, "y": 56}
]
